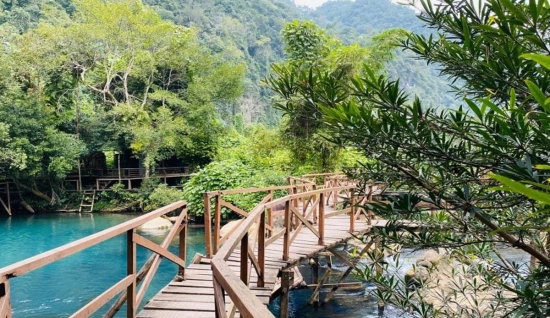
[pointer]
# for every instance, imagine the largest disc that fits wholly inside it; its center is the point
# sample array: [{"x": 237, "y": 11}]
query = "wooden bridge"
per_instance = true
[{"x": 244, "y": 269}]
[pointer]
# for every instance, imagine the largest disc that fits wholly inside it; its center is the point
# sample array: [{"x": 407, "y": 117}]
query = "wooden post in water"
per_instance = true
[
  {"x": 207, "y": 226},
  {"x": 287, "y": 279},
  {"x": 314, "y": 263},
  {"x": 379, "y": 252}
]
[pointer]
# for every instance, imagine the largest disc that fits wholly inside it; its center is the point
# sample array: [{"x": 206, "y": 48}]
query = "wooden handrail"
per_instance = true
[{"x": 128, "y": 282}]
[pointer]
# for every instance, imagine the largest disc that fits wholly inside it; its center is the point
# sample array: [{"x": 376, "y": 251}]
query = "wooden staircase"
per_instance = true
[{"x": 88, "y": 199}]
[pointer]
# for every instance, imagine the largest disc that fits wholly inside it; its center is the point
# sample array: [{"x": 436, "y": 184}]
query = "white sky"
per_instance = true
[{"x": 310, "y": 3}]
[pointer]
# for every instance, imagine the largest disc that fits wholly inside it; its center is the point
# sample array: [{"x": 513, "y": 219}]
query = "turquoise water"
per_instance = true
[{"x": 61, "y": 288}]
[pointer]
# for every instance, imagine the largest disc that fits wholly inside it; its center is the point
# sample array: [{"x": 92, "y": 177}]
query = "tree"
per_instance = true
[
  {"x": 315, "y": 57},
  {"x": 441, "y": 159},
  {"x": 111, "y": 75}
]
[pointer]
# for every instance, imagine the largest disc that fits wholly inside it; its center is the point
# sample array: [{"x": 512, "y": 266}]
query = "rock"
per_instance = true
[
  {"x": 424, "y": 263},
  {"x": 232, "y": 224},
  {"x": 156, "y": 224},
  {"x": 173, "y": 219},
  {"x": 416, "y": 276},
  {"x": 431, "y": 256}
]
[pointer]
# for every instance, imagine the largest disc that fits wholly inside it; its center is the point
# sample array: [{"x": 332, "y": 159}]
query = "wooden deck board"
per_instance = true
[{"x": 193, "y": 297}]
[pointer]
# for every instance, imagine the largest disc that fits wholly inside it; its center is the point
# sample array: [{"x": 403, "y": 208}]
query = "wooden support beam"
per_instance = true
[{"x": 314, "y": 299}]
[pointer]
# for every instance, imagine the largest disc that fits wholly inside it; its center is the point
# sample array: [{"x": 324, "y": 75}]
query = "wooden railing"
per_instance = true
[
  {"x": 253, "y": 244},
  {"x": 130, "y": 281},
  {"x": 212, "y": 242}
]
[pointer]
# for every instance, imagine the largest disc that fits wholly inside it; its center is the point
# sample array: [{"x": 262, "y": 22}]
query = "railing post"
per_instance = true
[
  {"x": 244, "y": 259},
  {"x": 261, "y": 249},
  {"x": 321, "y": 219},
  {"x": 5, "y": 302},
  {"x": 371, "y": 188},
  {"x": 352, "y": 211},
  {"x": 183, "y": 244},
  {"x": 207, "y": 226},
  {"x": 315, "y": 212},
  {"x": 131, "y": 265},
  {"x": 270, "y": 213},
  {"x": 286, "y": 238},
  {"x": 217, "y": 220},
  {"x": 219, "y": 299}
]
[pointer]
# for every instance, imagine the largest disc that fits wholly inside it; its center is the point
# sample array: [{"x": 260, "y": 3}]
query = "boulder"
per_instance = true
[
  {"x": 156, "y": 224},
  {"x": 431, "y": 256},
  {"x": 416, "y": 276},
  {"x": 232, "y": 224}
]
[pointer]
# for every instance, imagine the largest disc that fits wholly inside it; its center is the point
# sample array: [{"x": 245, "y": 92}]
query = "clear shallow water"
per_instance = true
[{"x": 61, "y": 288}]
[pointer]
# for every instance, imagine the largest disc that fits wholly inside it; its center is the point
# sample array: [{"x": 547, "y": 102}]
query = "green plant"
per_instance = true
[{"x": 162, "y": 195}]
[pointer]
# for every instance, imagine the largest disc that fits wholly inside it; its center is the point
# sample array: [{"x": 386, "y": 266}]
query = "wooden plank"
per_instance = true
[
  {"x": 178, "y": 305},
  {"x": 192, "y": 283},
  {"x": 188, "y": 291},
  {"x": 150, "y": 313}
]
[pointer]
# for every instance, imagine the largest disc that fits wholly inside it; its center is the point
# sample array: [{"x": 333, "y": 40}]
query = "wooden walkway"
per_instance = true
[
  {"x": 194, "y": 297},
  {"x": 238, "y": 277}
]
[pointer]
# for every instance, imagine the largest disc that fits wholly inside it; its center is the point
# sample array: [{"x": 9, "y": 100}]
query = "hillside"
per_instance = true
[
  {"x": 358, "y": 21},
  {"x": 249, "y": 31}
]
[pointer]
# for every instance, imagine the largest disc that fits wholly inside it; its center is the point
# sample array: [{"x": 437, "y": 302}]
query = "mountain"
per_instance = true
[{"x": 359, "y": 20}]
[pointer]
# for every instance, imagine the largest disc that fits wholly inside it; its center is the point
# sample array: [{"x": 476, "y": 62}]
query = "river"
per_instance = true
[{"x": 61, "y": 288}]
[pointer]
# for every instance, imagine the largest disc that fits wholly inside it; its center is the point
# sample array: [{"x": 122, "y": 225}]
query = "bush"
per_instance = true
[
  {"x": 229, "y": 174},
  {"x": 162, "y": 195},
  {"x": 220, "y": 175}
]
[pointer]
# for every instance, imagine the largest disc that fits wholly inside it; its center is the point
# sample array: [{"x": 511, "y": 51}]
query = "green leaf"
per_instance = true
[
  {"x": 516, "y": 187},
  {"x": 543, "y": 60}
]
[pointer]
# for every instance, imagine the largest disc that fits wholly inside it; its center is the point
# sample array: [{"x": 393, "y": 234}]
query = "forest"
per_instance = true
[{"x": 179, "y": 88}]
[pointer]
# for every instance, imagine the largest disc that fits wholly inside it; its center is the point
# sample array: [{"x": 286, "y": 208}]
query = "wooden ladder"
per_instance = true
[{"x": 86, "y": 201}]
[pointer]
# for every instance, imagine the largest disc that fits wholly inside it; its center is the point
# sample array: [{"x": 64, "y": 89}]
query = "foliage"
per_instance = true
[
  {"x": 229, "y": 174},
  {"x": 441, "y": 158},
  {"x": 218, "y": 175},
  {"x": 75, "y": 85},
  {"x": 319, "y": 59},
  {"x": 161, "y": 196}
]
